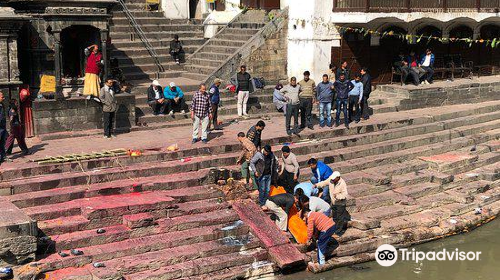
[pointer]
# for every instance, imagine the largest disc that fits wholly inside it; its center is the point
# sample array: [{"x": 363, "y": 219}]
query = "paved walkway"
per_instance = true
[{"x": 162, "y": 138}]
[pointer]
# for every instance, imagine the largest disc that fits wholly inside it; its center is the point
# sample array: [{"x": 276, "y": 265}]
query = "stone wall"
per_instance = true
[
  {"x": 18, "y": 232},
  {"x": 270, "y": 60},
  {"x": 80, "y": 114},
  {"x": 472, "y": 92}
]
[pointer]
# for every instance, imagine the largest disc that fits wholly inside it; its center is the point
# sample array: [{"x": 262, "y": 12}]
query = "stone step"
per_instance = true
[
  {"x": 138, "y": 51},
  {"x": 155, "y": 28},
  {"x": 299, "y": 150},
  {"x": 419, "y": 190},
  {"x": 199, "y": 68},
  {"x": 90, "y": 208},
  {"x": 378, "y": 200},
  {"x": 141, "y": 75},
  {"x": 234, "y": 36},
  {"x": 219, "y": 55},
  {"x": 157, "y": 38},
  {"x": 227, "y": 101},
  {"x": 224, "y": 43},
  {"x": 116, "y": 233},
  {"x": 199, "y": 267},
  {"x": 140, "y": 245},
  {"x": 194, "y": 76},
  {"x": 149, "y": 19},
  {"x": 226, "y": 50},
  {"x": 243, "y": 31},
  {"x": 252, "y": 108},
  {"x": 154, "y": 260},
  {"x": 205, "y": 62}
]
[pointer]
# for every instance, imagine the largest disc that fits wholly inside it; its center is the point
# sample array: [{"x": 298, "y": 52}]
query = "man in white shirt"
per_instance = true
[{"x": 427, "y": 64}]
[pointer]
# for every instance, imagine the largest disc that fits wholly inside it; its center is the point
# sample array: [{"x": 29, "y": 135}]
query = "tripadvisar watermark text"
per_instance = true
[{"x": 388, "y": 255}]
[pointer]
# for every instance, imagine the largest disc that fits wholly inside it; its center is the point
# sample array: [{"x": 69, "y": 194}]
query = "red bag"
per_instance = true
[{"x": 231, "y": 88}]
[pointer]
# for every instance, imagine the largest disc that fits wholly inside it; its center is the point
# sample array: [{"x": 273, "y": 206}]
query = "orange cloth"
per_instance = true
[{"x": 318, "y": 221}]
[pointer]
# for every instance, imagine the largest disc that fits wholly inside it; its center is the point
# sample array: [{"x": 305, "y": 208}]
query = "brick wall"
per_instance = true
[
  {"x": 270, "y": 60},
  {"x": 80, "y": 114}
]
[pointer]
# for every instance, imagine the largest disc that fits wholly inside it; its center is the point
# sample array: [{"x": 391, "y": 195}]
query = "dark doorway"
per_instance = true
[
  {"x": 193, "y": 5},
  {"x": 74, "y": 40},
  {"x": 261, "y": 4}
]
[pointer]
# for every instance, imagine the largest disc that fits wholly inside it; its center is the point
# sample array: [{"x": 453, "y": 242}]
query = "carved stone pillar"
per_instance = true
[
  {"x": 57, "y": 62},
  {"x": 104, "y": 48}
]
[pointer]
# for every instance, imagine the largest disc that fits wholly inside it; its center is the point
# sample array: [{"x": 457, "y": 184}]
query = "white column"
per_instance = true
[
  {"x": 311, "y": 37},
  {"x": 175, "y": 9}
]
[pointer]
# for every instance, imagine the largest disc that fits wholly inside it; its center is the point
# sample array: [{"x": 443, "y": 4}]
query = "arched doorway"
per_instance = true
[
  {"x": 489, "y": 55},
  {"x": 392, "y": 44},
  {"x": 193, "y": 8},
  {"x": 460, "y": 47},
  {"x": 74, "y": 40},
  {"x": 428, "y": 35}
]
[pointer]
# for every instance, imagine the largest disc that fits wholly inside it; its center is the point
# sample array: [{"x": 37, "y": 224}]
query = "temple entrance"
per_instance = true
[
  {"x": 74, "y": 40},
  {"x": 193, "y": 7}
]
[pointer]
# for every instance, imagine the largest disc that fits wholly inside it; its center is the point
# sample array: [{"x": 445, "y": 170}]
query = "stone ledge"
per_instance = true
[{"x": 18, "y": 232}]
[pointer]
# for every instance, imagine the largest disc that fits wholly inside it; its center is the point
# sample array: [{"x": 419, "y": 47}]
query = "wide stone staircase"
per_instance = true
[
  {"x": 413, "y": 175},
  {"x": 133, "y": 58}
]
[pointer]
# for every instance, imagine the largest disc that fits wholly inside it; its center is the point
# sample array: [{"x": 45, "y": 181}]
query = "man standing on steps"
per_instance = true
[
  {"x": 342, "y": 88},
  {"x": 243, "y": 88},
  {"x": 338, "y": 196},
  {"x": 366, "y": 79},
  {"x": 108, "y": 99},
  {"x": 324, "y": 91},
  {"x": 175, "y": 99},
  {"x": 255, "y": 134},
  {"x": 307, "y": 99},
  {"x": 156, "y": 99},
  {"x": 201, "y": 114},
  {"x": 320, "y": 172},
  {"x": 247, "y": 153},
  {"x": 264, "y": 166},
  {"x": 214, "y": 101},
  {"x": 289, "y": 173},
  {"x": 291, "y": 93},
  {"x": 343, "y": 70},
  {"x": 355, "y": 98}
]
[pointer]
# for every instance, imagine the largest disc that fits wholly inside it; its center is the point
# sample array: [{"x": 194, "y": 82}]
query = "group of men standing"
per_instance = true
[{"x": 349, "y": 96}]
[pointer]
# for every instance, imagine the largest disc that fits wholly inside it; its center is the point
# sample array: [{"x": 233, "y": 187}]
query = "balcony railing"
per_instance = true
[{"x": 407, "y": 6}]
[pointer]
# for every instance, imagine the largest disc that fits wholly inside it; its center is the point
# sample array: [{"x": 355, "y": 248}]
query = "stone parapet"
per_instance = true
[
  {"x": 80, "y": 114},
  {"x": 17, "y": 235}
]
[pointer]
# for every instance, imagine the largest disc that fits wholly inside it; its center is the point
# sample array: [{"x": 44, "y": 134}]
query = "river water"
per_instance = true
[{"x": 485, "y": 239}]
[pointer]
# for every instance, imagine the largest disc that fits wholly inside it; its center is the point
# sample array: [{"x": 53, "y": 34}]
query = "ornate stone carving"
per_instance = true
[{"x": 75, "y": 11}]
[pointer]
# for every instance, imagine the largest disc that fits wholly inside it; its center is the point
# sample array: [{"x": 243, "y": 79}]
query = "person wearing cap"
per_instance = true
[
  {"x": 156, "y": 99},
  {"x": 338, "y": 195},
  {"x": 243, "y": 88},
  {"x": 307, "y": 97},
  {"x": 214, "y": 101},
  {"x": 264, "y": 165},
  {"x": 175, "y": 99},
  {"x": 279, "y": 100}
]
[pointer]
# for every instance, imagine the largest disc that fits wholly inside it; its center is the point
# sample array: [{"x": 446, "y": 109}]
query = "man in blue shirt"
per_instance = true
[
  {"x": 214, "y": 102},
  {"x": 308, "y": 189},
  {"x": 355, "y": 98},
  {"x": 320, "y": 172},
  {"x": 175, "y": 99}
]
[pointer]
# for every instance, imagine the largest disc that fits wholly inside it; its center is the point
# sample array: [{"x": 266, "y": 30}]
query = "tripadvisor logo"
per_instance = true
[{"x": 387, "y": 255}]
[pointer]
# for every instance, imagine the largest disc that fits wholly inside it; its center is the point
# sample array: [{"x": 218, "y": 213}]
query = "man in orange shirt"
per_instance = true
[{"x": 321, "y": 227}]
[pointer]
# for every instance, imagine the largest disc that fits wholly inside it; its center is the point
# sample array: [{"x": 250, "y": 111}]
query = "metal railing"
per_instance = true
[
  {"x": 138, "y": 30},
  {"x": 415, "y": 5}
]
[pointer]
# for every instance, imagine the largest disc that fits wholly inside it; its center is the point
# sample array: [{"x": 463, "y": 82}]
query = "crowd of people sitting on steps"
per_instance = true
[{"x": 321, "y": 200}]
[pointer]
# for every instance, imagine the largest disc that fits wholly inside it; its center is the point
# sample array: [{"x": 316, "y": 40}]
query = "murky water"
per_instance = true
[{"x": 485, "y": 239}]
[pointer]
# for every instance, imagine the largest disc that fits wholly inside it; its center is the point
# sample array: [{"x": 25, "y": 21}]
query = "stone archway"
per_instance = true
[{"x": 74, "y": 39}]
